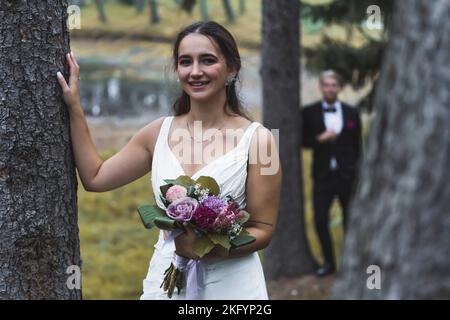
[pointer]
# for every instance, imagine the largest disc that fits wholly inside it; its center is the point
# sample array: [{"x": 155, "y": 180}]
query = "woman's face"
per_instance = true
[{"x": 201, "y": 67}]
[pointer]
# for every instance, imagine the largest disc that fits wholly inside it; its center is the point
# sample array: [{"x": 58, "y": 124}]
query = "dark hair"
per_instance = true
[{"x": 228, "y": 47}]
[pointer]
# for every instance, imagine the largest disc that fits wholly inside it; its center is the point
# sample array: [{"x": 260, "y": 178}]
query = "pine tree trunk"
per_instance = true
[
  {"x": 38, "y": 186},
  {"x": 101, "y": 10},
  {"x": 400, "y": 217},
  {"x": 242, "y": 7},
  {"x": 139, "y": 5},
  {"x": 288, "y": 254},
  {"x": 154, "y": 15},
  {"x": 228, "y": 10},
  {"x": 204, "y": 10}
]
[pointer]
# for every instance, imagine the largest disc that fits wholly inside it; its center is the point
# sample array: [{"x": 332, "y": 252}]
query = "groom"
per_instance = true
[{"x": 333, "y": 130}]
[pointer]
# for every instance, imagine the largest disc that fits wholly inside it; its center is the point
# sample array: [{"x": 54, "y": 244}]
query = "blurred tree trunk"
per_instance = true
[
  {"x": 154, "y": 16},
  {"x": 288, "y": 254},
  {"x": 242, "y": 8},
  {"x": 101, "y": 11},
  {"x": 188, "y": 5},
  {"x": 204, "y": 10},
  {"x": 228, "y": 10},
  {"x": 139, "y": 5},
  {"x": 38, "y": 185},
  {"x": 400, "y": 217}
]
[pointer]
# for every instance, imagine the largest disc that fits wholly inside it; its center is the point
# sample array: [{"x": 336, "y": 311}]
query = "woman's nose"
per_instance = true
[{"x": 196, "y": 69}]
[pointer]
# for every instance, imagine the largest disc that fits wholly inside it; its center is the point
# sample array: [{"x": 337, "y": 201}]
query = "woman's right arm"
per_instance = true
[{"x": 130, "y": 163}]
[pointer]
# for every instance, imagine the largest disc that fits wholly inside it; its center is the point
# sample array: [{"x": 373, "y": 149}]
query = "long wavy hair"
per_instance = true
[{"x": 228, "y": 47}]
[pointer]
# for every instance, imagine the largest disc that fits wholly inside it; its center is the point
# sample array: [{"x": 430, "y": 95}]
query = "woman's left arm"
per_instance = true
[{"x": 262, "y": 192}]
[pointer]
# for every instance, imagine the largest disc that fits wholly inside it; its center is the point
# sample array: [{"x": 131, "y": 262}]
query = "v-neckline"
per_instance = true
[{"x": 169, "y": 126}]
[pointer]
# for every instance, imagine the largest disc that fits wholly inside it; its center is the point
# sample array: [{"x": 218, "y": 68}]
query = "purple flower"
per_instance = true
[
  {"x": 214, "y": 203},
  {"x": 182, "y": 209}
]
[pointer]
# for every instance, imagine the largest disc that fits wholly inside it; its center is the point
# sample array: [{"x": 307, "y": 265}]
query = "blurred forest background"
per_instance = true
[{"x": 124, "y": 50}]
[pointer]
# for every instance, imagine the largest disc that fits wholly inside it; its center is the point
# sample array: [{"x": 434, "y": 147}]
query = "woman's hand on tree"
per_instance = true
[{"x": 71, "y": 91}]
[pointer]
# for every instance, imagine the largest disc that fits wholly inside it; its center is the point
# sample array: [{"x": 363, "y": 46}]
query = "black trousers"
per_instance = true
[{"x": 325, "y": 190}]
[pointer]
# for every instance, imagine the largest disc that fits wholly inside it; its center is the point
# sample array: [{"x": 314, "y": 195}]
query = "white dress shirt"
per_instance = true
[{"x": 334, "y": 121}]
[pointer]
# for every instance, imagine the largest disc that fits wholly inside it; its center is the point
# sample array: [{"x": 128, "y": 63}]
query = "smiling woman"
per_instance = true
[
  {"x": 205, "y": 52},
  {"x": 207, "y": 62}
]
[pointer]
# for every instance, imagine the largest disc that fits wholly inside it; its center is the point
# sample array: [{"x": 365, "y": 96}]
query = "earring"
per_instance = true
[{"x": 230, "y": 80}]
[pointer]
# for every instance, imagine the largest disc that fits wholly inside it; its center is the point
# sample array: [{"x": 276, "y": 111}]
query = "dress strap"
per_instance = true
[{"x": 247, "y": 138}]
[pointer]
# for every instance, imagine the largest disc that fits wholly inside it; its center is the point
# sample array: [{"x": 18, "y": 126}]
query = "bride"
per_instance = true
[{"x": 207, "y": 62}]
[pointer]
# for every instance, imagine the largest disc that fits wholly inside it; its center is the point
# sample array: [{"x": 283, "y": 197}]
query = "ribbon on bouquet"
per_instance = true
[
  {"x": 194, "y": 274},
  {"x": 184, "y": 268}
]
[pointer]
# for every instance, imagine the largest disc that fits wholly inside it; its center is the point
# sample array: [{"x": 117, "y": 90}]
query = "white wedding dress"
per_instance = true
[{"x": 224, "y": 278}]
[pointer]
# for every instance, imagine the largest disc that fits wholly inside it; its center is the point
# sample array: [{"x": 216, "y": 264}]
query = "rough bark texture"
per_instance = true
[
  {"x": 288, "y": 254},
  {"x": 400, "y": 217},
  {"x": 38, "y": 208}
]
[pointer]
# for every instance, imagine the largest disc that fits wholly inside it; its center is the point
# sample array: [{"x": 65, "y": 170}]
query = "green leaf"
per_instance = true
[
  {"x": 210, "y": 183},
  {"x": 242, "y": 240},
  {"x": 185, "y": 181},
  {"x": 202, "y": 246},
  {"x": 170, "y": 181},
  {"x": 148, "y": 214},
  {"x": 164, "y": 223},
  {"x": 166, "y": 203},
  {"x": 220, "y": 239}
]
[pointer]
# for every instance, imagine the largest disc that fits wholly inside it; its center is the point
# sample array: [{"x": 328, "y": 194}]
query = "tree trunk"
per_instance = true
[
  {"x": 228, "y": 10},
  {"x": 154, "y": 16},
  {"x": 101, "y": 10},
  {"x": 288, "y": 254},
  {"x": 242, "y": 7},
  {"x": 38, "y": 186},
  {"x": 139, "y": 5},
  {"x": 400, "y": 217},
  {"x": 204, "y": 10}
]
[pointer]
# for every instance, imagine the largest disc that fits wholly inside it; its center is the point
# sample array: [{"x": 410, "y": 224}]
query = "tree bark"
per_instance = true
[
  {"x": 139, "y": 5},
  {"x": 101, "y": 11},
  {"x": 242, "y": 7},
  {"x": 228, "y": 10},
  {"x": 204, "y": 10},
  {"x": 400, "y": 217},
  {"x": 154, "y": 15},
  {"x": 288, "y": 254},
  {"x": 38, "y": 186}
]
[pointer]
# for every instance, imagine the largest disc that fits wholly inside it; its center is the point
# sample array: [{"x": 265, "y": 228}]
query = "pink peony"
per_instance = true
[
  {"x": 175, "y": 192},
  {"x": 182, "y": 209}
]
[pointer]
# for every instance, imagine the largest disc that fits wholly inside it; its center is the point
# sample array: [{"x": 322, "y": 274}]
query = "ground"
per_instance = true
[{"x": 301, "y": 288}]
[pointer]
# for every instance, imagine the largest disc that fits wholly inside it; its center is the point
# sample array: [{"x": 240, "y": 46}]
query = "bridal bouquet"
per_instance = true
[{"x": 217, "y": 222}]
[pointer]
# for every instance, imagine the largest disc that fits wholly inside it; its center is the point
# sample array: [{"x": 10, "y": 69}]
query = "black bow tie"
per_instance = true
[{"x": 329, "y": 109}]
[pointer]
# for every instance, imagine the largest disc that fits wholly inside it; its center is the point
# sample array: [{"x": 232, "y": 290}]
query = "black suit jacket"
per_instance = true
[{"x": 347, "y": 147}]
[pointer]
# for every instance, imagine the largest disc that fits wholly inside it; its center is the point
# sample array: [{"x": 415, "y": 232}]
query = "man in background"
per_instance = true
[{"x": 333, "y": 130}]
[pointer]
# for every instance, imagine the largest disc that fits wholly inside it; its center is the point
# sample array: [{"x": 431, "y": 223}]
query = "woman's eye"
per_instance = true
[
  {"x": 184, "y": 62},
  {"x": 209, "y": 61}
]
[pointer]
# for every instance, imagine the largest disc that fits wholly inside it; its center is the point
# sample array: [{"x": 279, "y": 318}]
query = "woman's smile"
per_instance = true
[{"x": 198, "y": 85}]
